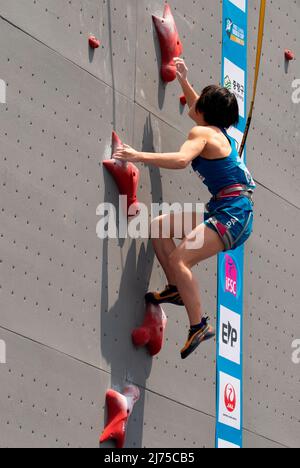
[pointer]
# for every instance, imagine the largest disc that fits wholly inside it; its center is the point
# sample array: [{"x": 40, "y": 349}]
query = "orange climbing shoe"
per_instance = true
[
  {"x": 169, "y": 295},
  {"x": 197, "y": 335}
]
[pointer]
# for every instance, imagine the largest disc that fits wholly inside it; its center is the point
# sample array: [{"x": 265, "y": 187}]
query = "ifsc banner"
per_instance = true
[{"x": 229, "y": 429}]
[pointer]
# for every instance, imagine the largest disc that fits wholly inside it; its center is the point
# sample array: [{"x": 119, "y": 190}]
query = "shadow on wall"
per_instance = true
[
  {"x": 163, "y": 86},
  {"x": 126, "y": 363}
]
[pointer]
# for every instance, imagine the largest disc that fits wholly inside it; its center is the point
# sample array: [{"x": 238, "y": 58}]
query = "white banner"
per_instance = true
[{"x": 240, "y": 4}]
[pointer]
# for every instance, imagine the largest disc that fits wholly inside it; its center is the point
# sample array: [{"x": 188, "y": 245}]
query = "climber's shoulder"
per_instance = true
[{"x": 203, "y": 132}]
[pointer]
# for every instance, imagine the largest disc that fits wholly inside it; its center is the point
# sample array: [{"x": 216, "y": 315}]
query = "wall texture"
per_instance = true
[{"x": 68, "y": 300}]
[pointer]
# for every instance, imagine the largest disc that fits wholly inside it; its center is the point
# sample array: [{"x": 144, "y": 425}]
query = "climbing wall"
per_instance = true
[{"x": 69, "y": 300}]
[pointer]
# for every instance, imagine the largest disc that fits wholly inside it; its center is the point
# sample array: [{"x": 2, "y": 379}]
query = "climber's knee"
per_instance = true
[{"x": 176, "y": 261}]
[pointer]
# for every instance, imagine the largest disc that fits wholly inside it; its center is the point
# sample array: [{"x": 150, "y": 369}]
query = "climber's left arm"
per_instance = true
[{"x": 192, "y": 148}]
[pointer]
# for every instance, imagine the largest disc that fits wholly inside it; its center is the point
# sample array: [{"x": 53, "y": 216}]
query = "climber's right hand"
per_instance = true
[{"x": 181, "y": 69}]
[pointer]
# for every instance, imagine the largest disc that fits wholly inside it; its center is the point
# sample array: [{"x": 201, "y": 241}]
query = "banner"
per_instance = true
[{"x": 229, "y": 429}]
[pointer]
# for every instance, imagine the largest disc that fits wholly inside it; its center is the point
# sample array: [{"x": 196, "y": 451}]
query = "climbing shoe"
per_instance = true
[
  {"x": 170, "y": 295},
  {"x": 197, "y": 335}
]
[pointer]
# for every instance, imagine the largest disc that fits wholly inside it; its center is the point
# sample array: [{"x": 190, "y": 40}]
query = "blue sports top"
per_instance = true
[{"x": 217, "y": 174}]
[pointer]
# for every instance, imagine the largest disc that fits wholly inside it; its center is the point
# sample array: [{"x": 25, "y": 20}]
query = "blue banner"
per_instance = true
[{"x": 229, "y": 429}]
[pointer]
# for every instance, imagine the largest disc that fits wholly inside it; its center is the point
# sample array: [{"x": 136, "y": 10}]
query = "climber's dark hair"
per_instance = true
[{"x": 219, "y": 107}]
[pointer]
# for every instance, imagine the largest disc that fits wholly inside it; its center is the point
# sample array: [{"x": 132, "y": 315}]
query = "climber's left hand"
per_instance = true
[{"x": 127, "y": 154}]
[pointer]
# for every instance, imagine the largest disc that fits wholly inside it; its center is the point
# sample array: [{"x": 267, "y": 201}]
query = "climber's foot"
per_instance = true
[
  {"x": 197, "y": 335},
  {"x": 170, "y": 295}
]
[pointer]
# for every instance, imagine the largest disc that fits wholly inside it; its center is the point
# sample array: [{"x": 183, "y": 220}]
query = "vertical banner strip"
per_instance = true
[{"x": 229, "y": 426}]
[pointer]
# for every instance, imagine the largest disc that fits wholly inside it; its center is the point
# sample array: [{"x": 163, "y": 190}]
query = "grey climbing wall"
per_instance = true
[{"x": 69, "y": 301}]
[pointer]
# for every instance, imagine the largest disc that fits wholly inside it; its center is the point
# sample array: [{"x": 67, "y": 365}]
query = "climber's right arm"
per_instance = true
[
  {"x": 189, "y": 92},
  {"x": 181, "y": 73}
]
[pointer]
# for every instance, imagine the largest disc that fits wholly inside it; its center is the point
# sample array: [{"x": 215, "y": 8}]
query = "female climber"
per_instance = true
[{"x": 228, "y": 221}]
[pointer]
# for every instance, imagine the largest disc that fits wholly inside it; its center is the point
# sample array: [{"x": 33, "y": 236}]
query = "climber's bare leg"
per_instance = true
[
  {"x": 184, "y": 257},
  {"x": 162, "y": 227}
]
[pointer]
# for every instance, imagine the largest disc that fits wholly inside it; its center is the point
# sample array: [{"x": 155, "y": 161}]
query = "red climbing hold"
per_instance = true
[
  {"x": 94, "y": 42},
  {"x": 183, "y": 100},
  {"x": 289, "y": 55},
  {"x": 126, "y": 176},
  {"x": 170, "y": 43},
  {"x": 151, "y": 334},
  {"x": 120, "y": 407}
]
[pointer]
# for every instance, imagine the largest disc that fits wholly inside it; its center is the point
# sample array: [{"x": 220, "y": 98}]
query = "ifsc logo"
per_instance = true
[{"x": 231, "y": 276}]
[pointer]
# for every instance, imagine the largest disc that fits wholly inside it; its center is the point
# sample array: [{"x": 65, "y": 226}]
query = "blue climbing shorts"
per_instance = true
[{"x": 232, "y": 219}]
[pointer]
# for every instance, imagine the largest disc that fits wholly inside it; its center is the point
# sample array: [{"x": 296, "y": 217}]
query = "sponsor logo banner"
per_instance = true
[
  {"x": 234, "y": 80},
  {"x": 223, "y": 444},
  {"x": 235, "y": 32},
  {"x": 231, "y": 264},
  {"x": 241, "y": 4},
  {"x": 230, "y": 401},
  {"x": 230, "y": 335}
]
